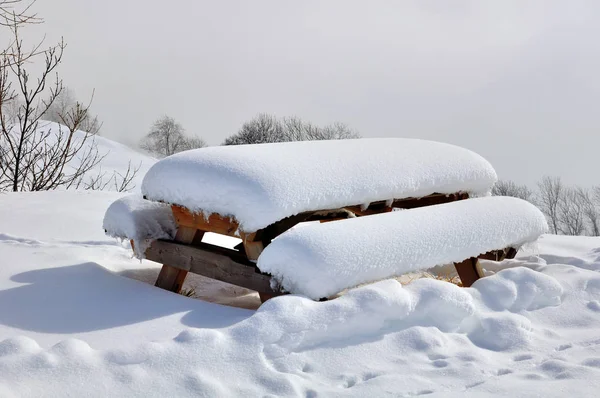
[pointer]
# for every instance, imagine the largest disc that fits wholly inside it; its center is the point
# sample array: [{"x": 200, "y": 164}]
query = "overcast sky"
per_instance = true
[{"x": 516, "y": 81}]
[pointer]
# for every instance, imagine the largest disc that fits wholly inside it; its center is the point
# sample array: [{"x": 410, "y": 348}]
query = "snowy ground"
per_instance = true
[{"x": 74, "y": 321}]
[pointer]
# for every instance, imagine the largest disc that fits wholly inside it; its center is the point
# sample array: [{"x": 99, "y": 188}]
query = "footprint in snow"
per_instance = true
[
  {"x": 502, "y": 372},
  {"x": 564, "y": 347},
  {"x": 594, "y": 306},
  {"x": 349, "y": 382},
  {"x": 311, "y": 394},
  {"x": 440, "y": 363},
  {"x": 434, "y": 357},
  {"x": 370, "y": 375},
  {"x": 425, "y": 392},
  {"x": 523, "y": 357},
  {"x": 592, "y": 362},
  {"x": 308, "y": 368},
  {"x": 468, "y": 387}
]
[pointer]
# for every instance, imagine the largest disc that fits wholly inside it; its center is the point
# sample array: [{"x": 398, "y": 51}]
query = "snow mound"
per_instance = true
[
  {"x": 261, "y": 184},
  {"x": 320, "y": 260},
  {"x": 133, "y": 217},
  {"x": 519, "y": 289}
]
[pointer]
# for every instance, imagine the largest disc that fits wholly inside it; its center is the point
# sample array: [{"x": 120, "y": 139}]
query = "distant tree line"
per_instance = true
[
  {"x": 570, "y": 210},
  {"x": 167, "y": 136},
  {"x": 266, "y": 128}
]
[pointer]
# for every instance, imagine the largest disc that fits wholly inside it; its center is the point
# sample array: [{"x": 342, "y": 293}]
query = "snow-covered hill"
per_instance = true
[
  {"x": 116, "y": 157},
  {"x": 73, "y": 324}
]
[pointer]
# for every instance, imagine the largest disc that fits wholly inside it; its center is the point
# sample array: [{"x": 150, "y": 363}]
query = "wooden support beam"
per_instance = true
[
  {"x": 511, "y": 252},
  {"x": 170, "y": 277},
  {"x": 469, "y": 271},
  {"x": 253, "y": 245},
  {"x": 407, "y": 203},
  {"x": 494, "y": 255},
  {"x": 211, "y": 223},
  {"x": 212, "y": 264},
  {"x": 499, "y": 255}
]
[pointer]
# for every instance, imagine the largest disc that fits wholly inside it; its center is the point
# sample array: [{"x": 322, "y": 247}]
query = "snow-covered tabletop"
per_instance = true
[{"x": 261, "y": 184}]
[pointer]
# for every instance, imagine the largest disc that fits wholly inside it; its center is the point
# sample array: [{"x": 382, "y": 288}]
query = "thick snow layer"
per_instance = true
[
  {"x": 323, "y": 259},
  {"x": 261, "y": 184},
  {"x": 72, "y": 325},
  {"x": 133, "y": 217}
]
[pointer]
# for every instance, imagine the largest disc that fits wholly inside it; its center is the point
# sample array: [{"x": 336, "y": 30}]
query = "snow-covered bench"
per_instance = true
[
  {"x": 321, "y": 260},
  {"x": 257, "y": 192}
]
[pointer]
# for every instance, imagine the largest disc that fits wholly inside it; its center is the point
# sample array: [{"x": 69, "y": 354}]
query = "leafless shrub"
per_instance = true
[
  {"x": 119, "y": 182},
  {"x": 32, "y": 157}
]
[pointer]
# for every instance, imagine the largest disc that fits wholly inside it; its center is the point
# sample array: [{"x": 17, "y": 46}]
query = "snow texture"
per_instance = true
[
  {"x": 320, "y": 260},
  {"x": 133, "y": 217},
  {"x": 71, "y": 324},
  {"x": 261, "y": 184}
]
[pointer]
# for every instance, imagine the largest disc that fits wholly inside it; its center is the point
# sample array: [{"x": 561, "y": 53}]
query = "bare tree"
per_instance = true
[
  {"x": 260, "y": 130},
  {"x": 510, "y": 188},
  {"x": 66, "y": 100},
  {"x": 32, "y": 157},
  {"x": 168, "y": 137},
  {"x": 571, "y": 212},
  {"x": 266, "y": 128},
  {"x": 338, "y": 131},
  {"x": 193, "y": 143},
  {"x": 551, "y": 191},
  {"x": 590, "y": 210}
]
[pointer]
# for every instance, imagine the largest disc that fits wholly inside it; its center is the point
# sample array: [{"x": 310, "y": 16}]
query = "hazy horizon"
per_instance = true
[{"x": 515, "y": 81}]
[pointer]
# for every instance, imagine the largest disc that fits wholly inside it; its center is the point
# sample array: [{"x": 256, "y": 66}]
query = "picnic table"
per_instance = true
[{"x": 257, "y": 193}]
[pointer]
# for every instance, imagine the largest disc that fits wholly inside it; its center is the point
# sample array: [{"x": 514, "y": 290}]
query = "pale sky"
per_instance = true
[{"x": 516, "y": 81}]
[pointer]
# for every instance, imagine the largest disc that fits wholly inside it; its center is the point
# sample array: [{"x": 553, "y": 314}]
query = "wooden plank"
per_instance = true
[
  {"x": 171, "y": 278},
  {"x": 253, "y": 246},
  {"x": 210, "y": 264},
  {"x": 213, "y": 223},
  {"x": 267, "y": 296},
  {"x": 266, "y": 235},
  {"x": 407, "y": 203},
  {"x": 494, "y": 255},
  {"x": 500, "y": 255},
  {"x": 469, "y": 271}
]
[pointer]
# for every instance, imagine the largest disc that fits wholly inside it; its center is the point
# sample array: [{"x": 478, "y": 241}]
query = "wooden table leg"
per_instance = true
[
  {"x": 171, "y": 278},
  {"x": 469, "y": 271}
]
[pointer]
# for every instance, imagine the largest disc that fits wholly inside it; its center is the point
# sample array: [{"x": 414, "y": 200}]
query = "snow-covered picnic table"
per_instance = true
[{"x": 258, "y": 192}]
